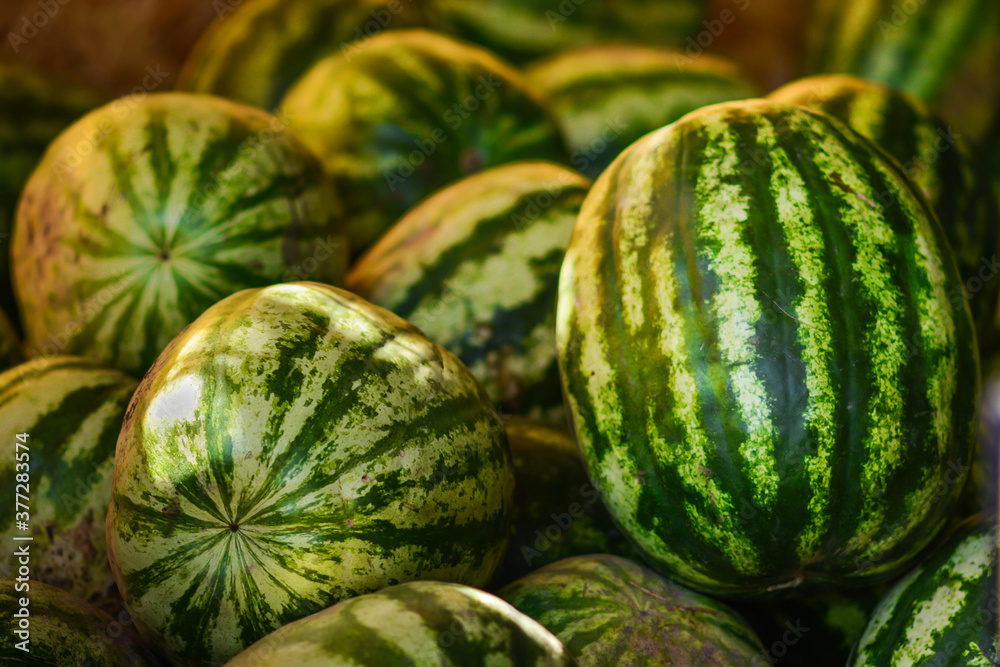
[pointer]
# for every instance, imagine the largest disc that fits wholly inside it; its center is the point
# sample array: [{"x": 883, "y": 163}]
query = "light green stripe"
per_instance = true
[
  {"x": 723, "y": 209},
  {"x": 722, "y": 528},
  {"x": 874, "y": 240},
  {"x": 806, "y": 246}
]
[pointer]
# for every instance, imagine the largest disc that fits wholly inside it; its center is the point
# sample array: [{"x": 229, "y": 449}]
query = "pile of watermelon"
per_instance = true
[{"x": 508, "y": 332}]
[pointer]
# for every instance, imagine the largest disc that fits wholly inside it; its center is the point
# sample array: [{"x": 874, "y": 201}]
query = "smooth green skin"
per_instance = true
[
  {"x": 937, "y": 160},
  {"x": 65, "y": 630},
  {"x": 476, "y": 268},
  {"x": 917, "y": 47},
  {"x": 943, "y": 613},
  {"x": 409, "y": 114},
  {"x": 771, "y": 388},
  {"x": 72, "y": 410},
  {"x": 231, "y": 59},
  {"x": 524, "y": 30},
  {"x": 10, "y": 343},
  {"x": 607, "y": 97},
  {"x": 294, "y": 447},
  {"x": 814, "y": 631},
  {"x": 609, "y": 610},
  {"x": 557, "y": 511},
  {"x": 123, "y": 240},
  {"x": 33, "y": 111},
  {"x": 419, "y": 624}
]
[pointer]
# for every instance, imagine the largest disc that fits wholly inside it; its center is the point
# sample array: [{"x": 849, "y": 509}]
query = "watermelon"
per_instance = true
[
  {"x": 606, "y": 97},
  {"x": 294, "y": 447},
  {"x": 147, "y": 211},
  {"x": 61, "y": 629},
  {"x": 914, "y": 46},
  {"x": 10, "y": 343},
  {"x": 772, "y": 391},
  {"x": 476, "y": 268},
  {"x": 71, "y": 410},
  {"x": 409, "y": 114},
  {"x": 33, "y": 110},
  {"x": 944, "y": 52},
  {"x": 557, "y": 512},
  {"x": 608, "y": 610},
  {"x": 260, "y": 48},
  {"x": 523, "y": 30},
  {"x": 943, "y": 613},
  {"x": 421, "y": 623},
  {"x": 940, "y": 163}
]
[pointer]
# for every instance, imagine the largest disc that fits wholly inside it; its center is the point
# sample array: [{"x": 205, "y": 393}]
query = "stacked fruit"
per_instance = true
[{"x": 501, "y": 333}]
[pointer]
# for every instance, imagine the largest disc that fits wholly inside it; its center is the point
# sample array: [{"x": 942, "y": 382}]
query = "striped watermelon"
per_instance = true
[
  {"x": 771, "y": 389},
  {"x": 420, "y": 623},
  {"x": 522, "y": 30},
  {"x": 33, "y": 111},
  {"x": 260, "y": 48},
  {"x": 147, "y": 211},
  {"x": 945, "y": 52},
  {"x": 915, "y": 46},
  {"x": 476, "y": 268},
  {"x": 606, "y": 97},
  {"x": 296, "y": 446},
  {"x": 64, "y": 630},
  {"x": 411, "y": 113},
  {"x": 557, "y": 512},
  {"x": 939, "y": 163},
  {"x": 72, "y": 410},
  {"x": 610, "y": 611},
  {"x": 943, "y": 613},
  {"x": 10, "y": 343}
]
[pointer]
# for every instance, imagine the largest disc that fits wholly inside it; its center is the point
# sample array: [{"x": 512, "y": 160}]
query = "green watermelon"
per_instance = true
[
  {"x": 610, "y": 611},
  {"x": 293, "y": 447},
  {"x": 940, "y": 163},
  {"x": 421, "y": 623},
  {"x": 260, "y": 48},
  {"x": 409, "y": 114},
  {"x": 60, "y": 629},
  {"x": 523, "y": 30},
  {"x": 772, "y": 391},
  {"x": 10, "y": 343},
  {"x": 943, "y": 613},
  {"x": 944, "y": 52},
  {"x": 33, "y": 111},
  {"x": 71, "y": 410},
  {"x": 606, "y": 97},
  {"x": 147, "y": 211},
  {"x": 476, "y": 268},
  {"x": 913, "y": 45},
  {"x": 557, "y": 512}
]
